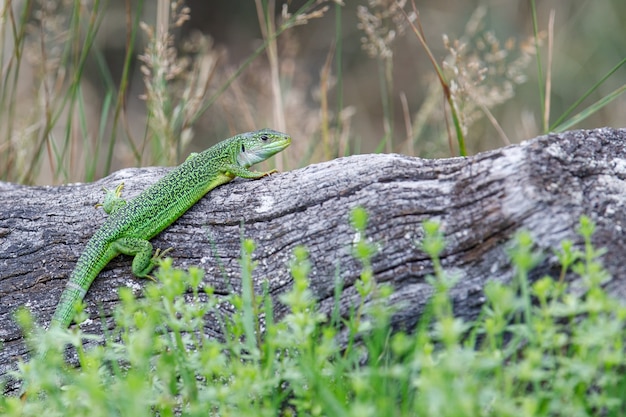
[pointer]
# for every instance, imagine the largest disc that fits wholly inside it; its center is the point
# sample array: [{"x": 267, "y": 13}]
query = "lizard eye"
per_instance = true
[
  {"x": 243, "y": 147},
  {"x": 264, "y": 138}
]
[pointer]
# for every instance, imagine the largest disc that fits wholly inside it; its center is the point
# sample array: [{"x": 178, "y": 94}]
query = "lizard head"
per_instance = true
[{"x": 259, "y": 145}]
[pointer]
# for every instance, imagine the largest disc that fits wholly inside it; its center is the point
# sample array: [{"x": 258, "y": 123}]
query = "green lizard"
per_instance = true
[{"x": 130, "y": 225}]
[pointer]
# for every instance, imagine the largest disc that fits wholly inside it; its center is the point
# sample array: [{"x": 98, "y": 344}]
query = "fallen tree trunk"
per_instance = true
[{"x": 543, "y": 185}]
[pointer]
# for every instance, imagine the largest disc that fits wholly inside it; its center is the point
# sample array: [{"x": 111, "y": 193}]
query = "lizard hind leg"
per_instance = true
[{"x": 141, "y": 249}]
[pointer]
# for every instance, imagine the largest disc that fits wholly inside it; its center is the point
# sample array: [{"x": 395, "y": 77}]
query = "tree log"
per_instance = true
[{"x": 543, "y": 185}]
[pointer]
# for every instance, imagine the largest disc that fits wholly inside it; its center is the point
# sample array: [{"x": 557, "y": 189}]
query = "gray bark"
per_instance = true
[{"x": 543, "y": 185}]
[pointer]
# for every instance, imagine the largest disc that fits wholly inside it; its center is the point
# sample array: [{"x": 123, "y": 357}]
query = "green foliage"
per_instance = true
[
  {"x": 536, "y": 350},
  {"x": 68, "y": 94}
]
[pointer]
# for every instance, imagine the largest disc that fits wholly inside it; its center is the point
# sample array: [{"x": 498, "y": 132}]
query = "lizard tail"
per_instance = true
[
  {"x": 96, "y": 255},
  {"x": 64, "y": 312}
]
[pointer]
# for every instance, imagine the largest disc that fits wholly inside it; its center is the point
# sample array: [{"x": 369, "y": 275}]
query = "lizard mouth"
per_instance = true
[
  {"x": 249, "y": 157},
  {"x": 273, "y": 147},
  {"x": 280, "y": 144}
]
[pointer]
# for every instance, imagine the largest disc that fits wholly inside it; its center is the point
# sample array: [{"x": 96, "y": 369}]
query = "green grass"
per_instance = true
[
  {"x": 68, "y": 112},
  {"x": 535, "y": 350}
]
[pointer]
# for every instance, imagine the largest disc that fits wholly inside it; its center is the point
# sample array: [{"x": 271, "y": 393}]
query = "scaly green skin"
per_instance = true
[{"x": 130, "y": 225}]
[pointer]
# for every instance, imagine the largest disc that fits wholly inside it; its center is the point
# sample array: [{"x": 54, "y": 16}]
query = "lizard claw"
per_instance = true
[
  {"x": 159, "y": 254},
  {"x": 112, "y": 199}
]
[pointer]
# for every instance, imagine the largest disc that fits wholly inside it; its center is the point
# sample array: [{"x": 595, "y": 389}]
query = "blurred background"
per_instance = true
[{"x": 89, "y": 87}]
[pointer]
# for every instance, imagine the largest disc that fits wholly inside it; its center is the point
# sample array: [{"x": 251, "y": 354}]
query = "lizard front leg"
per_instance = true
[{"x": 242, "y": 172}]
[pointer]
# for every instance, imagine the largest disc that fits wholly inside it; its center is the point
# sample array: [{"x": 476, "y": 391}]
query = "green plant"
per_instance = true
[
  {"x": 70, "y": 112},
  {"x": 539, "y": 351}
]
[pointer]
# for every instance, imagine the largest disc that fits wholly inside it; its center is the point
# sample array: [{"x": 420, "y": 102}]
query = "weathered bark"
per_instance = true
[{"x": 542, "y": 185}]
